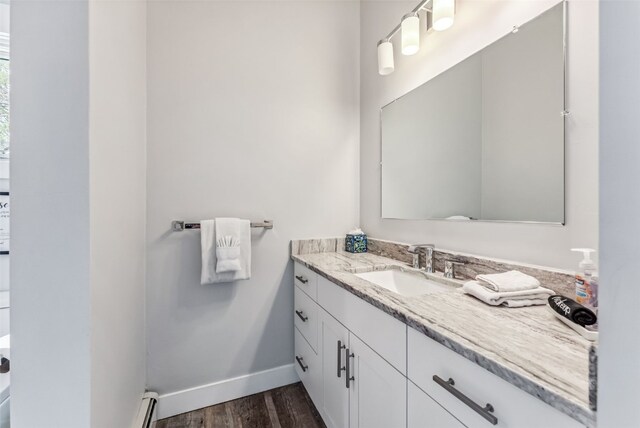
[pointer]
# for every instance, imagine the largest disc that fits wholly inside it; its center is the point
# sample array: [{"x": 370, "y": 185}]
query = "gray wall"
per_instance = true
[
  {"x": 477, "y": 25},
  {"x": 252, "y": 113},
  {"x": 117, "y": 53},
  {"x": 77, "y": 262},
  {"x": 619, "y": 349},
  {"x": 50, "y": 265}
]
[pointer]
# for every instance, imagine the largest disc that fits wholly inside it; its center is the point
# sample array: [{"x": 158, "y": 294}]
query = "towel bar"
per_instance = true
[{"x": 179, "y": 225}]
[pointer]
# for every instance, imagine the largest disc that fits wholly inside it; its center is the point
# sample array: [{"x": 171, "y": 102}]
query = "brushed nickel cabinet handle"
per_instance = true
[
  {"x": 303, "y": 366},
  {"x": 302, "y": 279},
  {"x": 302, "y": 316},
  {"x": 348, "y": 368},
  {"x": 340, "y": 348},
  {"x": 485, "y": 412}
]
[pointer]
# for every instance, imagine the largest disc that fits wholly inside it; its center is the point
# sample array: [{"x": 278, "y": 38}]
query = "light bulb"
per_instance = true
[
  {"x": 385, "y": 57},
  {"x": 443, "y": 11},
  {"x": 410, "y": 33}
]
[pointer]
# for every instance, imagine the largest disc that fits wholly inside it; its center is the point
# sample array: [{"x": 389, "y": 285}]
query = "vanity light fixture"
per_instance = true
[
  {"x": 385, "y": 57},
  {"x": 410, "y": 28},
  {"x": 443, "y": 11},
  {"x": 440, "y": 12}
]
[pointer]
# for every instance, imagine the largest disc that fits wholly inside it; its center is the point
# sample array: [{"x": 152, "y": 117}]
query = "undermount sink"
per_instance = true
[{"x": 404, "y": 283}]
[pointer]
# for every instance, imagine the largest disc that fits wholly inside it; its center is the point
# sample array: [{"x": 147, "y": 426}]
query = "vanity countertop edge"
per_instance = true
[{"x": 340, "y": 267}]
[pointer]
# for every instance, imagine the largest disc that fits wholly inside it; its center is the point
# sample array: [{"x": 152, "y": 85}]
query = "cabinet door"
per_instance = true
[
  {"x": 423, "y": 412},
  {"x": 377, "y": 392},
  {"x": 335, "y": 396}
]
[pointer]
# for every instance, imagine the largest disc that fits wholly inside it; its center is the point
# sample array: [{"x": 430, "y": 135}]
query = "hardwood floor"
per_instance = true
[{"x": 286, "y": 407}]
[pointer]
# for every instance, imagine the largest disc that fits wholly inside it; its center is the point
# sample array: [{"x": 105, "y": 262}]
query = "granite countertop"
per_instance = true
[{"x": 527, "y": 347}]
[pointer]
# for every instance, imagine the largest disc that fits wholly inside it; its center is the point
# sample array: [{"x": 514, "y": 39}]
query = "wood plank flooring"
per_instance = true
[{"x": 286, "y": 407}]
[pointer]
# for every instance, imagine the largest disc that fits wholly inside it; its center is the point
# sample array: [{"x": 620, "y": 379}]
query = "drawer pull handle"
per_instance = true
[
  {"x": 340, "y": 348},
  {"x": 302, "y": 279},
  {"x": 303, "y": 366},
  {"x": 302, "y": 316},
  {"x": 348, "y": 367},
  {"x": 485, "y": 412}
]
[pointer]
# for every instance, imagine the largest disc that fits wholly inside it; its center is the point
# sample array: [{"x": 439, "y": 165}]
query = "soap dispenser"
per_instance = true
[{"x": 587, "y": 280}]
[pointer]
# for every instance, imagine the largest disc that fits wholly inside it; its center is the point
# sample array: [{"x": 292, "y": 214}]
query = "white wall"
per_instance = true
[
  {"x": 619, "y": 349},
  {"x": 117, "y": 61},
  {"x": 78, "y": 168},
  {"x": 51, "y": 307},
  {"x": 253, "y": 113},
  {"x": 478, "y": 23}
]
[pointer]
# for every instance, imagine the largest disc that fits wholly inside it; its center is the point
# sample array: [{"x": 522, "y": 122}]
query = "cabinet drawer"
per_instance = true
[
  {"x": 306, "y": 279},
  {"x": 512, "y": 406},
  {"x": 309, "y": 368},
  {"x": 305, "y": 317},
  {"x": 383, "y": 333}
]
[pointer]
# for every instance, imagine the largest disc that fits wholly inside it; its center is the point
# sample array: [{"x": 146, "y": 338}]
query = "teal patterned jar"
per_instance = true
[{"x": 355, "y": 243}]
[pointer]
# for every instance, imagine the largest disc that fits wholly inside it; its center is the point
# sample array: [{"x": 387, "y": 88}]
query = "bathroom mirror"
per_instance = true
[{"x": 484, "y": 140}]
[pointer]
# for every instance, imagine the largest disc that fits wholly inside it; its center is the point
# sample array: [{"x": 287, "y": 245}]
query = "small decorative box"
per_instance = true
[{"x": 355, "y": 243}]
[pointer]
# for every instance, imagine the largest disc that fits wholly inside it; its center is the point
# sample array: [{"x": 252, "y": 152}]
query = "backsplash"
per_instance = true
[
  {"x": 559, "y": 281},
  {"x": 313, "y": 246}
]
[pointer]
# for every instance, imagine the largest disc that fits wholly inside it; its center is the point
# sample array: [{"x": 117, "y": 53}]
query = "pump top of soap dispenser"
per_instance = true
[{"x": 586, "y": 264}]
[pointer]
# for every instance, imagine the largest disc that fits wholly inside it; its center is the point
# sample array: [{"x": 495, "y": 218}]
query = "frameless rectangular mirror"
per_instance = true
[{"x": 484, "y": 140}]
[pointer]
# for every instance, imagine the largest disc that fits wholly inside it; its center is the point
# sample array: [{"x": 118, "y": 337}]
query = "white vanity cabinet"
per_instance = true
[
  {"x": 457, "y": 383},
  {"x": 365, "y": 369},
  {"x": 360, "y": 388},
  {"x": 357, "y": 387}
]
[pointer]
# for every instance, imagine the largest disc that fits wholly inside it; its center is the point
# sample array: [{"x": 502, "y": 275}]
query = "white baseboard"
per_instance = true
[{"x": 225, "y": 390}]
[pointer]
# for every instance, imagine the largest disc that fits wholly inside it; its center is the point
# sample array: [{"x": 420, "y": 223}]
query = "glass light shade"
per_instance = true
[
  {"x": 410, "y": 34},
  {"x": 443, "y": 11},
  {"x": 385, "y": 57}
]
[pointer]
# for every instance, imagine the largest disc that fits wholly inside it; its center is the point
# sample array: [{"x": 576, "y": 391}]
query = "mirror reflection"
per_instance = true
[{"x": 484, "y": 140}]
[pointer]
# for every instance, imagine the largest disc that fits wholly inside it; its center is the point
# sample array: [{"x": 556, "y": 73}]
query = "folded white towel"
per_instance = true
[
  {"x": 536, "y": 296},
  {"x": 508, "y": 281},
  {"x": 228, "y": 259},
  {"x": 458, "y": 217},
  {"x": 524, "y": 302},
  {"x": 240, "y": 230}
]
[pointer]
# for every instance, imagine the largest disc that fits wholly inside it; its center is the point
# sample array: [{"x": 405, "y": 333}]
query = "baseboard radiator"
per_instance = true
[{"x": 147, "y": 415}]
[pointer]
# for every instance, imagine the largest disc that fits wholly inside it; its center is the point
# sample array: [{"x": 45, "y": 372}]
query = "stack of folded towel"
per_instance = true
[{"x": 513, "y": 289}]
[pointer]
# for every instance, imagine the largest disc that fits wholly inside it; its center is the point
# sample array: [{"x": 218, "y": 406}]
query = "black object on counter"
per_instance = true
[{"x": 572, "y": 310}]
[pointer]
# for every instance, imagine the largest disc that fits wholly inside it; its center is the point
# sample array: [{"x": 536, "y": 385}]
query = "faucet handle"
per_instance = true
[{"x": 450, "y": 268}]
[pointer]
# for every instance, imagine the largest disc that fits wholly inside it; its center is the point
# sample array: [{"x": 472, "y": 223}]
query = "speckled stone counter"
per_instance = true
[{"x": 527, "y": 347}]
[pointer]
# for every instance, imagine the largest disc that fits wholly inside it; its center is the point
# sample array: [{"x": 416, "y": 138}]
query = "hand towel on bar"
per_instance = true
[
  {"x": 241, "y": 229},
  {"x": 536, "y": 296},
  {"x": 508, "y": 281}
]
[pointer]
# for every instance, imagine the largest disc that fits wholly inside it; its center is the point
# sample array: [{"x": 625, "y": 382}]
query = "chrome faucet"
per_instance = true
[{"x": 415, "y": 250}]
